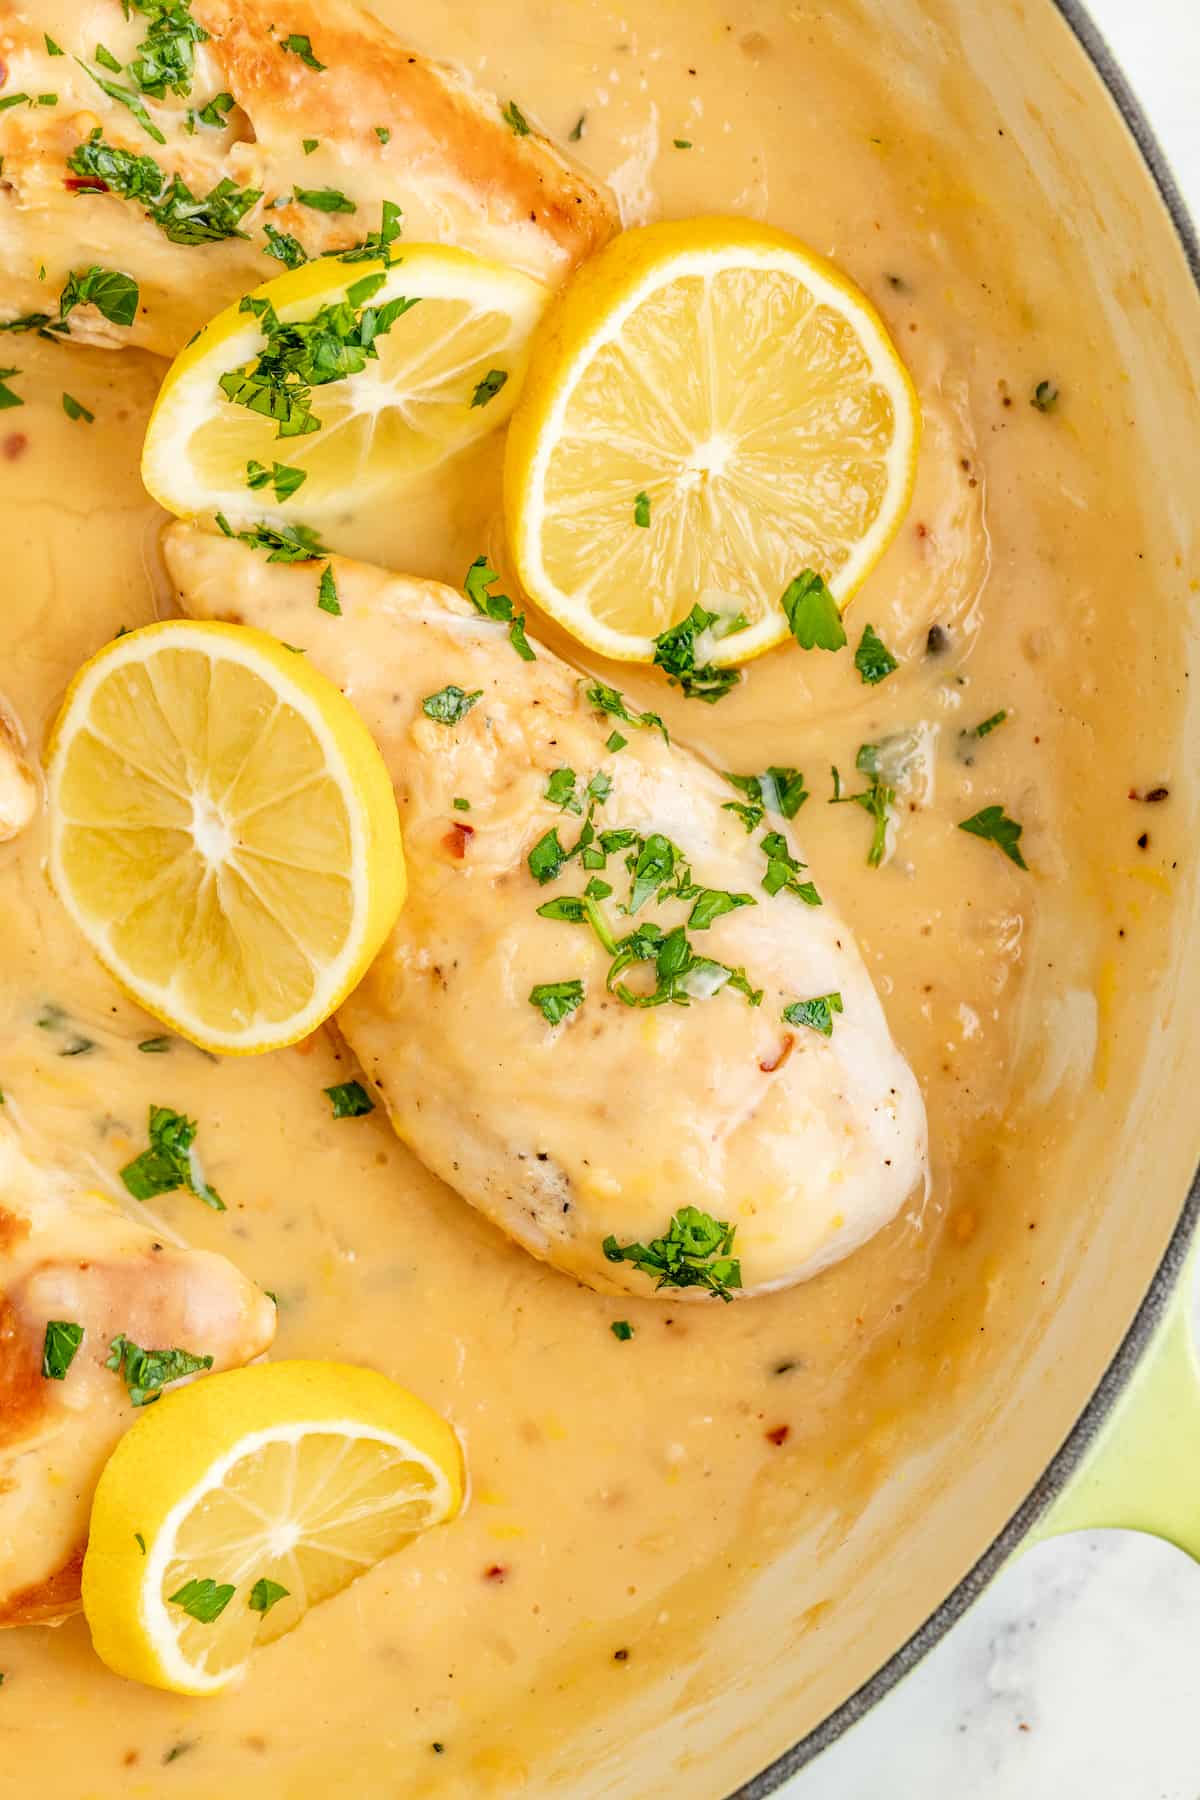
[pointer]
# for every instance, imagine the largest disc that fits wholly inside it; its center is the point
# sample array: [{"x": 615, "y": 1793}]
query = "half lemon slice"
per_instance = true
[
  {"x": 711, "y": 408},
  {"x": 233, "y": 1506},
  {"x": 348, "y": 377},
  {"x": 223, "y": 831}
]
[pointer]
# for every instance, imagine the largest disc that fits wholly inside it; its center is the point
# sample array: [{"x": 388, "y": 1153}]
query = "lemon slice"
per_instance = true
[
  {"x": 223, "y": 831},
  {"x": 439, "y": 375},
  {"x": 710, "y": 409},
  {"x": 234, "y": 1505}
]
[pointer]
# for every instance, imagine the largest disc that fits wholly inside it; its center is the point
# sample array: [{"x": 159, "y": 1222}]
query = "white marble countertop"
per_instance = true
[{"x": 1076, "y": 1674}]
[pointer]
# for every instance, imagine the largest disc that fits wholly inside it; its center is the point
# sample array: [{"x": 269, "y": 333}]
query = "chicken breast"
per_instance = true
[
  {"x": 242, "y": 138},
  {"x": 18, "y": 784},
  {"x": 74, "y": 1258},
  {"x": 654, "y": 1084}
]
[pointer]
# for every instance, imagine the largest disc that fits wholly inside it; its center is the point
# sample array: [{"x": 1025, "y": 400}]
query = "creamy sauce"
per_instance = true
[{"x": 623, "y": 1491}]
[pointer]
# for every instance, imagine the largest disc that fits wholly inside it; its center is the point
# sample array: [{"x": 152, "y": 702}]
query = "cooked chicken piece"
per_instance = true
[
  {"x": 75, "y": 1258},
  {"x": 18, "y": 786},
  {"x": 235, "y": 102},
  {"x": 612, "y": 1119}
]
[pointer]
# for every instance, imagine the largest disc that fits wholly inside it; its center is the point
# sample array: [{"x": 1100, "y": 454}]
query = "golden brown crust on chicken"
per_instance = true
[
  {"x": 48, "y": 1601},
  {"x": 387, "y": 124}
]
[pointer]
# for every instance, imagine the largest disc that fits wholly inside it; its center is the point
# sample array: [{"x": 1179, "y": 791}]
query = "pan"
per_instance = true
[{"x": 1128, "y": 1446}]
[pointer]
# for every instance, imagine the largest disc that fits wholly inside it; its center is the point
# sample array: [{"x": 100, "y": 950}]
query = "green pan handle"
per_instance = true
[{"x": 1143, "y": 1471}]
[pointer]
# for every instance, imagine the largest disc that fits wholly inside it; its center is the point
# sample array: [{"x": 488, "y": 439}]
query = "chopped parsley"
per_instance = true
[
  {"x": 986, "y": 726},
  {"x": 478, "y": 579},
  {"x": 693, "y": 1252},
  {"x": 993, "y": 823},
  {"x": 449, "y": 704},
  {"x": 63, "y": 1338},
  {"x": 1044, "y": 396},
  {"x": 165, "y": 59},
  {"x": 107, "y": 60},
  {"x": 655, "y": 864},
  {"x": 383, "y": 134},
  {"x": 556, "y": 1000},
  {"x": 279, "y": 476},
  {"x": 350, "y": 1100},
  {"x": 123, "y": 96},
  {"x": 779, "y": 790},
  {"x": 284, "y": 248},
  {"x": 622, "y": 1330},
  {"x": 489, "y": 387},
  {"x": 122, "y": 172},
  {"x": 155, "y": 1046},
  {"x": 327, "y": 594},
  {"x": 265, "y": 1594},
  {"x": 53, "y": 49},
  {"x": 682, "y": 143},
  {"x": 301, "y": 46},
  {"x": 75, "y": 409},
  {"x": 8, "y": 396},
  {"x": 680, "y": 975},
  {"x": 378, "y": 244},
  {"x": 714, "y": 903},
  {"x": 817, "y": 1014},
  {"x": 112, "y": 293},
  {"x": 614, "y": 742},
  {"x": 658, "y": 869},
  {"x": 641, "y": 510},
  {"x": 576, "y": 131},
  {"x": 515, "y": 119},
  {"x": 812, "y": 613},
  {"x": 783, "y": 870},
  {"x": 461, "y": 805},
  {"x": 170, "y": 1162},
  {"x": 876, "y": 800},
  {"x": 326, "y": 200},
  {"x": 14, "y": 100},
  {"x": 873, "y": 660},
  {"x": 282, "y": 543},
  {"x": 338, "y": 341},
  {"x": 610, "y": 700},
  {"x": 675, "y": 652},
  {"x": 147, "y": 1372},
  {"x": 547, "y": 858},
  {"x": 204, "y": 1599},
  {"x": 186, "y": 219},
  {"x": 171, "y": 205},
  {"x": 213, "y": 113},
  {"x": 309, "y": 145},
  {"x": 560, "y": 791}
]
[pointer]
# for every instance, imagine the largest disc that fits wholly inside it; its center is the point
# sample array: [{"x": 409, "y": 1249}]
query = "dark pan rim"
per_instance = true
[{"x": 1158, "y": 1295}]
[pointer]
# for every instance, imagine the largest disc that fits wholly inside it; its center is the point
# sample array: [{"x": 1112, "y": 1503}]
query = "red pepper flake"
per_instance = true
[
  {"x": 81, "y": 184},
  {"x": 771, "y": 1063},
  {"x": 496, "y": 1572},
  {"x": 455, "y": 841},
  {"x": 15, "y": 444},
  {"x": 778, "y": 1434}
]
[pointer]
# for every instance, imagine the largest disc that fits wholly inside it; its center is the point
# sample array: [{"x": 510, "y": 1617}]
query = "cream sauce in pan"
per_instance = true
[{"x": 622, "y": 1490}]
